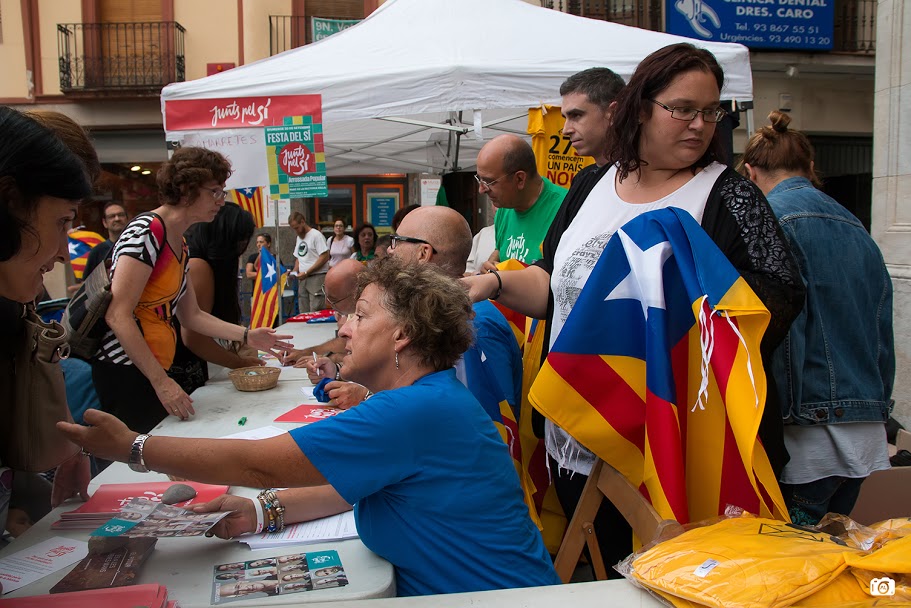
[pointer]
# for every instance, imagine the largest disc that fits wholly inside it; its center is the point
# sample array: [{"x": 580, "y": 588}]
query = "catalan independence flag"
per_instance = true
[
  {"x": 267, "y": 289},
  {"x": 493, "y": 368},
  {"x": 81, "y": 242},
  {"x": 657, "y": 371},
  {"x": 251, "y": 199},
  {"x": 533, "y": 472}
]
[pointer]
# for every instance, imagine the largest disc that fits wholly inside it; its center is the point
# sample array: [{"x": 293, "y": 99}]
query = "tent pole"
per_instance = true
[
  {"x": 455, "y": 158},
  {"x": 278, "y": 254},
  {"x": 751, "y": 126}
]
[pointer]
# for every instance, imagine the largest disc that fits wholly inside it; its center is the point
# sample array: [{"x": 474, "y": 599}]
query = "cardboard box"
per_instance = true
[{"x": 886, "y": 494}]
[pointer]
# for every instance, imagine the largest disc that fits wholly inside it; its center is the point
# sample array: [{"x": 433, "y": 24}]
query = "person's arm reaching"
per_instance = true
[
  {"x": 263, "y": 463},
  {"x": 203, "y": 279},
  {"x": 524, "y": 291},
  {"x": 301, "y": 504}
]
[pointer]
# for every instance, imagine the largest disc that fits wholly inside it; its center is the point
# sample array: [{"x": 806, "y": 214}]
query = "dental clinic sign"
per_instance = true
[
  {"x": 297, "y": 162},
  {"x": 760, "y": 24}
]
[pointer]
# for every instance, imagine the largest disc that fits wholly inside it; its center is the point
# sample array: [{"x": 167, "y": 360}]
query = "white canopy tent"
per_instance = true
[{"x": 401, "y": 88}]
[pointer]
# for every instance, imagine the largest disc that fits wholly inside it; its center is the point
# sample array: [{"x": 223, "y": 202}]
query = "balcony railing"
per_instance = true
[
  {"x": 645, "y": 14},
  {"x": 855, "y": 26},
  {"x": 287, "y": 32},
  {"x": 120, "y": 56},
  {"x": 855, "y": 20},
  {"x": 291, "y": 31}
]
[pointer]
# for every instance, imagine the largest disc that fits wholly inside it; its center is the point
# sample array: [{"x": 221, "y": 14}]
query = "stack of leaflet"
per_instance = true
[
  {"x": 148, "y": 596},
  {"x": 327, "y": 529},
  {"x": 110, "y": 498}
]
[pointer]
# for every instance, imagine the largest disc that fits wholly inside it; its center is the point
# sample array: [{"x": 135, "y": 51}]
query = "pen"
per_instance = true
[{"x": 318, "y": 370}]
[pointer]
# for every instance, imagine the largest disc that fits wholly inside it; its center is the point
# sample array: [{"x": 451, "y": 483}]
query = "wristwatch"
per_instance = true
[{"x": 136, "y": 461}]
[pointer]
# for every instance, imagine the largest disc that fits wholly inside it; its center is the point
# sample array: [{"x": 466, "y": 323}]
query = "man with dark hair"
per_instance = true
[
  {"x": 586, "y": 106},
  {"x": 526, "y": 202},
  {"x": 114, "y": 218},
  {"x": 311, "y": 255}
]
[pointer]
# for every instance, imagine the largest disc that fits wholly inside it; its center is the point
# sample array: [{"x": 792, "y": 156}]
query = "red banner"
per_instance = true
[{"x": 239, "y": 112}]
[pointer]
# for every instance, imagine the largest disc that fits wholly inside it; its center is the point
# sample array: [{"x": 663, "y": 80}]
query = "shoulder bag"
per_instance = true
[
  {"x": 84, "y": 315},
  {"x": 29, "y": 439}
]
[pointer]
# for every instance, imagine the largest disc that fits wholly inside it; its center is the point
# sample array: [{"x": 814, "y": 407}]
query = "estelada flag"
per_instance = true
[
  {"x": 657, "y": 371},
  {"x": 251, "y": 199},
  {"x": 267, "y": 288},
  {"x": 493, "y": 367},
  {"x": 533, "y": 472},
  {"x": 81, "y": 243}
]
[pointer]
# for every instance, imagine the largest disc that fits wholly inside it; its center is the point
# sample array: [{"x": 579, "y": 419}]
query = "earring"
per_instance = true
[{"x": 396, "y": 359}]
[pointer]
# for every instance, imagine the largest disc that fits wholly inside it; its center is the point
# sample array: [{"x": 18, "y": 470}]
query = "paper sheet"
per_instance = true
[
  {"x": 335, "y": 527},
  {"x": 263, "y": 432},
  {"x": 27, "y": 566}
]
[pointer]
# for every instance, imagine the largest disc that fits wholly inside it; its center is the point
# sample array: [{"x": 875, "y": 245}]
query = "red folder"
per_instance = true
[
  {"x": 147, "y": 596},
  {"x": 309, "y": 413}
]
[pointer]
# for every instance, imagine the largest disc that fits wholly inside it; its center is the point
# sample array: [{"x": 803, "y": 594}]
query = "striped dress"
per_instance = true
[{"x": 145, "y": 239}]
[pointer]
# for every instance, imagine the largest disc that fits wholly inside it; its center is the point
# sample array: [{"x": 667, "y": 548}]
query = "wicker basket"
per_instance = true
[{"x": 255, "y": 378}]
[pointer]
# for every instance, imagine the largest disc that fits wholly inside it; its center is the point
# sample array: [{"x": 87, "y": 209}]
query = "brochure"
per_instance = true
[
  {"x": 280, "y": 575},
  {"x": 115, "y": 568},
  {"x": 143, "y": 518}
]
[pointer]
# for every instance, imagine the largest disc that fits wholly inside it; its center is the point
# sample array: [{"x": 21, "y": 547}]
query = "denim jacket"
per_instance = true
[{"x": 837, "y": 363}]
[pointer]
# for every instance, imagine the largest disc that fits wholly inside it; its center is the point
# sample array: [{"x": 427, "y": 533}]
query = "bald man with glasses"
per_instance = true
[{"x": 526, "y": 202}]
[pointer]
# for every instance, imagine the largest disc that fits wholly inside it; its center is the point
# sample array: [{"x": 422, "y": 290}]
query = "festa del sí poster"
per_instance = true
[{"x": 296, "y": 159}]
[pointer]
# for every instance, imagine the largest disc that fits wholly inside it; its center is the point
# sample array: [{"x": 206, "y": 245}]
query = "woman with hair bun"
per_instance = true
[
  {"x": 836, "y": 369},
  {"x": 149, "y": 287}
]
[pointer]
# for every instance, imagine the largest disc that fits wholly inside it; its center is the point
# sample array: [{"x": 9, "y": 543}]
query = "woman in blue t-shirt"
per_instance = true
[{"x": 433, "y": 485}]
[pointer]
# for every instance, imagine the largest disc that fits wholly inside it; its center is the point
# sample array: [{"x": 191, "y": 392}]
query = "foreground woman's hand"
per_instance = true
[
  {"x": 242, "y": 519},
  {"x": 107, "y": 438},
  {"x": 71, "y": 479}
]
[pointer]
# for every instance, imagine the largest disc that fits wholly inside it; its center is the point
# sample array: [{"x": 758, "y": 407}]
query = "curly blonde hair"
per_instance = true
[
  {"x": 187, "y": 170},
  {"x": 433, "y": 309}
]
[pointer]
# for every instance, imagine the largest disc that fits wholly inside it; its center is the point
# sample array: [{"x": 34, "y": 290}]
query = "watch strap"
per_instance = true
[{"x": 137, "y": 462}]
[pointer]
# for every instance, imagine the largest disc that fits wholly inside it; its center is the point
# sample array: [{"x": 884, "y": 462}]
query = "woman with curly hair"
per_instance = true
[
  {"x": 434, "y": 485},
  {"x": 149, "y": 287}
]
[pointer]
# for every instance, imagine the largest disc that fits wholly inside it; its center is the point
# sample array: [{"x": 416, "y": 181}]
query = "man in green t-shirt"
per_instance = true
[{"x": 526, "y": 203}]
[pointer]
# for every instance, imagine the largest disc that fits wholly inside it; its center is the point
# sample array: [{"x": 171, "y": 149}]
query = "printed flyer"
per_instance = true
[
  {"x": 271, "y": 576},
  {"x": 143, "y": 518}
]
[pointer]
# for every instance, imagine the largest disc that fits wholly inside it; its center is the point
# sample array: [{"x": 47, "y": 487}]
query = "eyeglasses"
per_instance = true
[
  {"x": 409, "y": 239},
  {"x": 114, "y": 216},
  {"x": 487, "y": 184},
  {"x": 689, "y": 114},
  {"x": 334, "y": 303},
  {"x": 218, "y": 193}
]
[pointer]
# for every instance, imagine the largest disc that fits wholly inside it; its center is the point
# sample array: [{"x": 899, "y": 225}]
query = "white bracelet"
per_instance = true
[{"x": 260, "y": 515}]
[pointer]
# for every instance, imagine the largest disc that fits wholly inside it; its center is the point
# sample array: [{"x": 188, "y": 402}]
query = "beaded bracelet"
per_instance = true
[
  {"x": 260, "y": 509},
  {"x": 273, "y": 509}
]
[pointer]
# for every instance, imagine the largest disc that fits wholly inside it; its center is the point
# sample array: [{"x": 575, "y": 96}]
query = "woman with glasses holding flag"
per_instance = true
[
  {"x": 149, "y": 287},
  {"x": 663, "y": 151}
]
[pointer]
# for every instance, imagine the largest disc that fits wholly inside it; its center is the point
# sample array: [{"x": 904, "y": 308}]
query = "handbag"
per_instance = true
[
  {"x": 29, "y": 439},
  {"x": 84, "y": 315}
]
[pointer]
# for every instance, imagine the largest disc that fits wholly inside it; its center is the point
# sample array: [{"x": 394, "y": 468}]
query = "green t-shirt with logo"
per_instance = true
[{"x": 519, "y": 234}]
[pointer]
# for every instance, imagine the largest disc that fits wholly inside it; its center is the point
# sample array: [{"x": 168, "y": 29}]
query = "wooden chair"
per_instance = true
[{"x": 604, "y": 482}]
